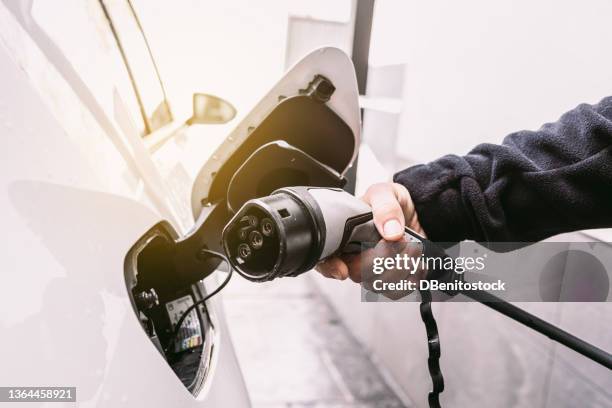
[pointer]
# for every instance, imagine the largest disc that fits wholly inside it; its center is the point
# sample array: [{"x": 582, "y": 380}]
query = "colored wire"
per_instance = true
[{"x": 178, "y": 325}]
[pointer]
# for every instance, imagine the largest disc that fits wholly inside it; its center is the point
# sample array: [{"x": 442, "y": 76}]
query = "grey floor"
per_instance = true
[{"x": 295, "y": 352}]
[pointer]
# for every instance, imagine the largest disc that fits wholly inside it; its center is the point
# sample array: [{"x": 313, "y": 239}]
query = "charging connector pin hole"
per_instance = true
[
  {"x": 267, "y": 227},
  {"x": 256, "y": 239},
  {"x": 243, "y": 233},
  {"x": 249, "y": 220},
  {"x": 244, "y": 251}
]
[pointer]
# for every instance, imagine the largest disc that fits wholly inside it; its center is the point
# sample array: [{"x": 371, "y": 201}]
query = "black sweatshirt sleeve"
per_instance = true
[{"x": 534, "y": 185}]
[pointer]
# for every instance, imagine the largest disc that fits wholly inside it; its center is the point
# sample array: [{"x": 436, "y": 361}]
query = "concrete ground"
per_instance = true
[{"x": 295, "y": 352}]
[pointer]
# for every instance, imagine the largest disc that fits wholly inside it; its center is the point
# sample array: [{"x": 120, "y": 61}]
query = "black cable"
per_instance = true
[
  {"x": 433, "y": 346},
  {"x": 541, "y": 326},
  {"x": 178, "y": 325}
]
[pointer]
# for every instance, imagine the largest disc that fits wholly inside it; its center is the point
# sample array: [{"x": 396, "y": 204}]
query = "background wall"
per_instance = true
[{"x": 474, "y": 71}]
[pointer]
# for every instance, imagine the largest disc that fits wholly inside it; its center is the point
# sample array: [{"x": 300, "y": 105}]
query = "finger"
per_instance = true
[
  {"x": 353, "y": 263},
  {"x": 324, "y": 268},
  {"x": 333, "y": 268},
  {"x": 388, "y": 214}
]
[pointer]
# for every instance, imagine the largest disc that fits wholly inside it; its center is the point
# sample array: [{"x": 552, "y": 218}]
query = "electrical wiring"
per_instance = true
[{"x": 179, "y": 323}]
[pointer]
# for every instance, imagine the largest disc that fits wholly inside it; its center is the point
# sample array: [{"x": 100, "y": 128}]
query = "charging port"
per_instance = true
[{"x": 159, "y": 303}]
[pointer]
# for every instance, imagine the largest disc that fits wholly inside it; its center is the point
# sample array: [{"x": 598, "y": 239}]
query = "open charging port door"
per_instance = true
[{"x": 304, "y": 131}]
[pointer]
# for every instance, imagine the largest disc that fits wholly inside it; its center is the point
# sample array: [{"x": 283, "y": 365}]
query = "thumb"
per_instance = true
[{"x": 388, "y": 214}]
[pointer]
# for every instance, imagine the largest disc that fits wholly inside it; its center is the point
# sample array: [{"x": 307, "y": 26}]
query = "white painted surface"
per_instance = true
[
  {"x": 478, "y": 70},
  {"x": 77, "y": 188}
]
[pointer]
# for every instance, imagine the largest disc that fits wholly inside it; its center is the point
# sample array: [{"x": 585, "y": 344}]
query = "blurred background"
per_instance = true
[{"x": 442, "y": 77}]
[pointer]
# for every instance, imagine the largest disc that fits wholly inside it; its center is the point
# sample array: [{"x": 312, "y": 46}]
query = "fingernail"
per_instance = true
[{"x": 392, "y": 228}]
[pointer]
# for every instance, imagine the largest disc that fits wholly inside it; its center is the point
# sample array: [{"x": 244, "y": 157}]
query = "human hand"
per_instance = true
[{"x": 393, "y": 209}]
